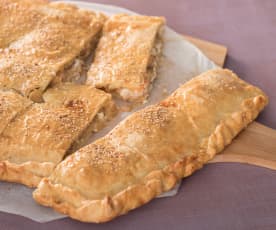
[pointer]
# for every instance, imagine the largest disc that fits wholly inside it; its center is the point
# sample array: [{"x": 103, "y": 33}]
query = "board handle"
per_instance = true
[{"x": 255, "y": 145}]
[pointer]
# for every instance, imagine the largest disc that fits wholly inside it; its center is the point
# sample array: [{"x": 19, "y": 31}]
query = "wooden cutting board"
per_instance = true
[{"x": 255, "y": 145}]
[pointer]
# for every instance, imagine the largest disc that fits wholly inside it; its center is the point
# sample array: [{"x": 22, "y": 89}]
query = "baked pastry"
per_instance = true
[
  {"x": 127, "y": 56},
  {"x": 38, "y": 139},
  {"x": 11, "y": 105},
  {"x": 151, "y": 150},
  {"x": 99, "y": 104},
  {"x": 43, "y": 43}
]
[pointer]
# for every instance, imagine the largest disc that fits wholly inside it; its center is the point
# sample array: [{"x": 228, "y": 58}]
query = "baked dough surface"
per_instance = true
[
  {"x": 151, "y": 150},
  {"x": 38, "y": 139},
  {"x": 39, "y": 41},
  {"x": 126, "y": 58}
]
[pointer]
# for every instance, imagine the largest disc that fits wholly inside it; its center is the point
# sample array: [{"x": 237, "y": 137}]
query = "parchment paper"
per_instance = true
[{"x": 181, "y": 62}]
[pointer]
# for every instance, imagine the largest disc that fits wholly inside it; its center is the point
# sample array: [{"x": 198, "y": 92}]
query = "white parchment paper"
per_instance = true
[{"x": 181, "y": 62}]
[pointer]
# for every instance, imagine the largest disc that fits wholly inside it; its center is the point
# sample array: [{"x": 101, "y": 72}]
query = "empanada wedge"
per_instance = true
[
  {"x": 151, "y": 150},
  {"x": 38, "y": 139},
  {"x": 44, "y": 43},
  {"x": 127, "y": 56}
]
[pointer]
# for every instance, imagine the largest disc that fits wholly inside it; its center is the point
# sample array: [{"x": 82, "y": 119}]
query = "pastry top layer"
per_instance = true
[
  {"x": 124, "y": 52},
  {"x": 153, "y": 148},
  {"x": 153, "y": 137},
  {"x": 45, "y": 131},
  {"x": 39, "y": 40}
]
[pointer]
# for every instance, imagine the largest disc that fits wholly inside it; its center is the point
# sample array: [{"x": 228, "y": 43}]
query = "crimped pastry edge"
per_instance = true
[
  {"x": 153, "y": 184},
  {"x": 29, "y": 173}
]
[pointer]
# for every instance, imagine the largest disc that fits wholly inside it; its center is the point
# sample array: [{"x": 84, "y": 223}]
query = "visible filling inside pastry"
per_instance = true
[
  {"x": 103, "y": 115},
  {"x": 74, "y": 70},
  {"x": 151, "y": 71},
  {"x": 156, "y": 53},
  {"x": 46, "y": 132}
]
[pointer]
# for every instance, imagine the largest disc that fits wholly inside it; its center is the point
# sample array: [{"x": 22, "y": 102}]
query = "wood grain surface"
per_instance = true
[
  {"x": 217, "y": 53},
  {"x": 255, "y": 145}
]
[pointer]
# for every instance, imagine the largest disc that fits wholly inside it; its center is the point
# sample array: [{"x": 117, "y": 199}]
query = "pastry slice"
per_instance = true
[
  {"x": 37, "y": 140},
  {"x": 11, "y": 104},
  {"x": 127, "y": 56},
  {"x": 99, "y": 104},
  {"x": 44, "y": 43},
  {"x": 151, "y": 150}
]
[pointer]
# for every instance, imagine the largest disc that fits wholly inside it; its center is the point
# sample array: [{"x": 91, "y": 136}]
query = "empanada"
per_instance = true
[
  {"x": 151, "y": 150},
  {"x": 127, "y": 56},
  {"x": 38, "y": 139},
  {"x": 44, "y": 43}
]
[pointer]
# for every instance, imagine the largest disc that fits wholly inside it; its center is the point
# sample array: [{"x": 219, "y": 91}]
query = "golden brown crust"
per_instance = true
[
  {"x": 29, "y": 173},
  {"x": 38, "y": 41},
  {"x": 151, "y": 150},
  {"x": 38, "y": 139},
  {"x": 125, "y": 61}
]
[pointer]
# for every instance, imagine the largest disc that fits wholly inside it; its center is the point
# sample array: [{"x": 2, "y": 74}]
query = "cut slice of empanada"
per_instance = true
[
  {"x": 38, "y": 139},
  {"x": 151, "y": 150},
  {"x": 99, "y": 104},
  {"x": 44, "y": 43},
  {"x": 127, "y": 56}
]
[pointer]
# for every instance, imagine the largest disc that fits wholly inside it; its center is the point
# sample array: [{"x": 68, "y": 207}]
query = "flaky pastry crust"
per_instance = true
[
  {"x": 39, "y": 138},
  {"x": 127, "y": 56},
  {"x": 151, "y": 150},
  {"x": 40, "y": 42}
]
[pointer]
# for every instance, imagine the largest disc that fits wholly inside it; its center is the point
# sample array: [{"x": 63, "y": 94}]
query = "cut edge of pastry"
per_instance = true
[
  {"x": 105, "y": 114},
  {"x": 151, "y": 73},
  {"x": 30, "y": 173},
  {"x": 78, "y": 66},
  {"x": 74, "y": 70},
  {"x": 71, "y": 72},
  {"x": 70, "y": 202},
  {"x": 128, "y": 94}
]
